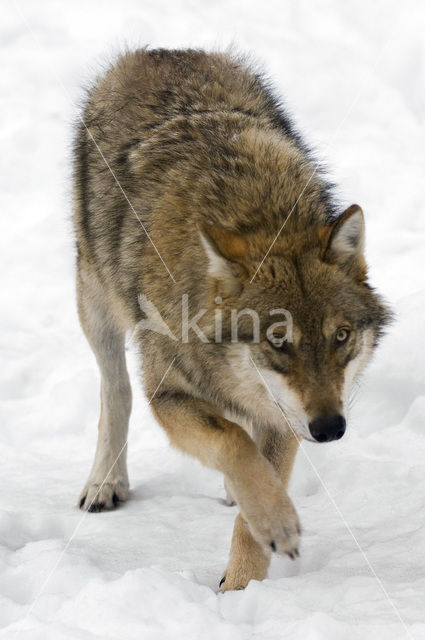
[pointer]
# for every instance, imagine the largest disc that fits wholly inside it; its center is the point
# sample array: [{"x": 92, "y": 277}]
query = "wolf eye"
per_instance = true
[{"x": 342, "y": 335}]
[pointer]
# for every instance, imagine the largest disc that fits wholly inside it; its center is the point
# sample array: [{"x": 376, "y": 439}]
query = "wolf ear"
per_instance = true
[
  {"x": 343, "y": 242},
  {"x": 225, "y": 251}
]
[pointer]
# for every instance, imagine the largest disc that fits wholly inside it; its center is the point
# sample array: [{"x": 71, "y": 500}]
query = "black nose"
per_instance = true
[{"x": 327, "y": 429}]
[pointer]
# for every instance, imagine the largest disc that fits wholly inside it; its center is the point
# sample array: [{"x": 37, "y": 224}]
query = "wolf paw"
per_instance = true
[
  {"x": 229, "y": 500},
  {"x": 281, "y": 537},
  {"x": 275, "y": 525},
  {"x": 233, "y": 582},
  {"x": 97, "y": 497},
  {"x": 237, "y": 578}
]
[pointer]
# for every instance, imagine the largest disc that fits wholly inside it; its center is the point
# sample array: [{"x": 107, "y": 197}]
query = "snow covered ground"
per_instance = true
[{"x": 353, "y": 73}]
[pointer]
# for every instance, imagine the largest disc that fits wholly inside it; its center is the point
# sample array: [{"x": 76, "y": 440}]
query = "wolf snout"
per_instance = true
[{"x": 327, "y": 428}]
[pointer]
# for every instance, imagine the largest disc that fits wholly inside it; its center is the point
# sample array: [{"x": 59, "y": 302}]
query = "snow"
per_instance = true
[{"x": 353, "y": 76}]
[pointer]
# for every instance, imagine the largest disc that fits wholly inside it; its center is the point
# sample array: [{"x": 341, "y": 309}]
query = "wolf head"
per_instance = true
[{"x": 310, "y": 358}]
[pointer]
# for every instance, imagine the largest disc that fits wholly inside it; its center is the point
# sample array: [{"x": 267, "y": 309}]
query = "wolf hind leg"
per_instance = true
[{"x": 108, "y": 480}]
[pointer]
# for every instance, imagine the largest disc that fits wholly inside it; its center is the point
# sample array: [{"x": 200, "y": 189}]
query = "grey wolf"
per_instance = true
[{"x": 233, "y": 212}]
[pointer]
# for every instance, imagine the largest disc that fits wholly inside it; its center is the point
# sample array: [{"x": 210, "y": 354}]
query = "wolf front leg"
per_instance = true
[
  {"x": 248, "y": 559},
  {"x": 193, "y": 427},
  {"x": 107, "y": 484}
]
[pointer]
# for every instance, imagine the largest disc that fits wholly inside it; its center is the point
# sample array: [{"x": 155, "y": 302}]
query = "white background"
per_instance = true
[{"x": 353, "y": 76}]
